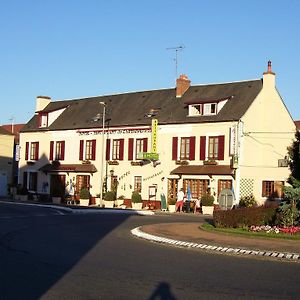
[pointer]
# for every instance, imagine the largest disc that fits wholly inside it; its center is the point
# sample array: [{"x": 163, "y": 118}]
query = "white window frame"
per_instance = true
[{"x": 207, "y": 109}]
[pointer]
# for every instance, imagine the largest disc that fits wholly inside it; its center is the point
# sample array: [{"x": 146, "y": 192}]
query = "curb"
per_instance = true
[
  {"x": 238, "y": 251},
  {"x": 87, "y": 210}
]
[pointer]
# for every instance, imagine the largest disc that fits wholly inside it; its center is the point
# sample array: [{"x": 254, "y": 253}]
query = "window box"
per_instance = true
[
  {"x": 86, "y": 162},
  {"x": 210, "y": 162},
  {"x": 182, "y": 162},
  {"x": 136, "y": 163},
  {"x": 113, "y": 162}
]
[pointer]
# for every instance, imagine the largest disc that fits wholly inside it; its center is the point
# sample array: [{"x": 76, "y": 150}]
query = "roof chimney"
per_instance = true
[
  {"x": 182, "y": 85},
  {"x": 269, "y": 77},
  {"x": 41, "y": 102}
]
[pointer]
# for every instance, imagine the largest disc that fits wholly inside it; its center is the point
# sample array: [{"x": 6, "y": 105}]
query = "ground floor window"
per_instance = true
[
  {"x": 198, "y": 187},
  {"x": 272, "y": 189},
  {"x": 32, "y": 185},
  {"x": 138, "y": 183},
  {"x": 57, "y": 185},
  {"x": 172, "y": 188}
]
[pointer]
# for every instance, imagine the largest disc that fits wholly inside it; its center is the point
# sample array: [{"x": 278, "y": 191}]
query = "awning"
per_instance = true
[
  {"x": 76, "y": 168},
  {"x": 203, "y": 170}
]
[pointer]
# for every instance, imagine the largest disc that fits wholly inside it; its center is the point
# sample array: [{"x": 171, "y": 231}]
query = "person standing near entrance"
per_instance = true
[{"x": 180, "y": 199}]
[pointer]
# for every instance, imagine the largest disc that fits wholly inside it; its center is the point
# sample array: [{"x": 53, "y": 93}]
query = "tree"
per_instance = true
[{"x": 294, "y": 155}]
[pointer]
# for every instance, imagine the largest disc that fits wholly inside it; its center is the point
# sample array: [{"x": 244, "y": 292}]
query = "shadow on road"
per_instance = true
[{"x": 162, "y": 292}]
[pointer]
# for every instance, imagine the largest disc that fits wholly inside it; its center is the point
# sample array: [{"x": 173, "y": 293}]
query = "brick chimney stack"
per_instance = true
[
  {"x": 182, "y": 85},
  {"x": 269, "y": 77}
]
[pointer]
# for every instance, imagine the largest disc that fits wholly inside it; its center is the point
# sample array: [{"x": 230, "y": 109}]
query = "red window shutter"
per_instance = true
[
  {"x": 174, "y": 148},
  {"x": 121, "y": 154},
  {"x": 192, "y": 148},
  {"x": 81, "y": 149},
  {"x": 62, "y": 150},
  {"x": 93, "y": 149},
  {"x": 51, "y": 150},
  {"x": 37, "y": 151},
  {"x": 221, "y": 147},
  {"x": 145, "y": 145},
  {"x": 130, "y": 148},
  {"x": 26, "y": 150},
  {"x": 108, "y": 149},
  {"x": 202, "y": 147}
]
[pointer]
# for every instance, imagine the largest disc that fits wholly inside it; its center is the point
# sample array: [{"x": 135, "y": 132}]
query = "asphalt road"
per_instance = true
[{"x": 49, "y": 254}]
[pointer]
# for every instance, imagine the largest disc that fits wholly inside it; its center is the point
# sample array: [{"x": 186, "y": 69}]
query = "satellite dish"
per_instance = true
[{"x": 226, "y": 199}]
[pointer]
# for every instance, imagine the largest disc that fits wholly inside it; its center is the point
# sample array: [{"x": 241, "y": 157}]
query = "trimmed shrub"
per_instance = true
[
  {"x": 84, "y": 193},
  {"x": 247, "y": 201},
  {"x": 136, "y": 197},
  {"x": 207, "y": 200},
  {"x": 244, "y": 217},
  {"x": 287, "y": 215},
  {"x": 110, "y": 196}
]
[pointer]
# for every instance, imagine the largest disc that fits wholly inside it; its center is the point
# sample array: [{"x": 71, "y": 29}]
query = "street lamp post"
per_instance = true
[{"x": 102, "y": 158}]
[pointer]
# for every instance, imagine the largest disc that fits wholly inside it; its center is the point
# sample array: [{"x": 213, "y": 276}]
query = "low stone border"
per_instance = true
[{"x": 140, "y": 234}]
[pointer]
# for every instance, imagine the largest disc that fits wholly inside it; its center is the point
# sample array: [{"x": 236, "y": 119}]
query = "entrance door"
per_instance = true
[
  {"x": 57, "y": 185},
  {"x": 224, "y": 184},
  {"x": 3, "y": 184},
  {"x": 172, "y": 188}
]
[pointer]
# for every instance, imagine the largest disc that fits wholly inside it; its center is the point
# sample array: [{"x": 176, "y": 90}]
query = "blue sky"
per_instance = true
[{"x": 72, "y": 49}]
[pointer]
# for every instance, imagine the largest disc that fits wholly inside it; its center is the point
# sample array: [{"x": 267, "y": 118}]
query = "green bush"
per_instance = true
[
  {"x": 171, "y": 201},
  {"x": 207, "y": 200},
  {"x": 136, "y": 197},
  {"x": 84, "y": 193},
  {"x": 247, "y": 201},
  {"x": 110, "y": 196},
  {"x": 287, "y": 215},
  {"x": 244, "y": 217}
]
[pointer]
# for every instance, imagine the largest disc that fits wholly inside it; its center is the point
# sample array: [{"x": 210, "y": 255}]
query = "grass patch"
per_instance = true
[{"x": 250, "y": 234}]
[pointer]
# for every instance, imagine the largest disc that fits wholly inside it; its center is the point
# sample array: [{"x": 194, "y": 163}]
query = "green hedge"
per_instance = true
[{"x": 244, "y": 217}]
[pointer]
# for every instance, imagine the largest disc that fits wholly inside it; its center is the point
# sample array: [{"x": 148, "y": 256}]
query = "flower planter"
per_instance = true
[
  {"x": 22, "y": 197},
  {"x": 56, "y": 200},
  {"x": 119, "y": 202},
  {"x": 84, "y": 202},
  {"x": 109, "y": 204},
  {"x": 172, "y": 208},
  {"x": 137, "y": 205},
  {"x": 208, "y": 210}
]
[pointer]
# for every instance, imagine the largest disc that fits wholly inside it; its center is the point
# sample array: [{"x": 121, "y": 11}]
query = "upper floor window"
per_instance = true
[
  {"x": 116, "y": 151},
  {"x": 136, "y": 147},
  {"x": 87, "y": 150},
  {"x": 32, "y": 151},
  {"x": 57, "y": 150},
  {"x": 213, "y": 147},
  {"x": 186, "y": 147},
  {"x": 195, "y": 110}
]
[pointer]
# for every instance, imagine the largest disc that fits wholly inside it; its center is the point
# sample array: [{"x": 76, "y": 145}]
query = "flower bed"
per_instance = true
[{"x": 274, "y": 229}]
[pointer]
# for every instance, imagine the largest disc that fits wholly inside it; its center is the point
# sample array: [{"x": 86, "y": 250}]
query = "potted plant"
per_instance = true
[
  {"x": 136, "y": 199},
  {"x": 207, "y": 202},
  {"x": 120, "y": 200},
  {"x": 171, "y": 204},
  {"x": 22, "y": 193},
  {"x": 84, "y": 197},
  {"x": 109, "y": 199}
]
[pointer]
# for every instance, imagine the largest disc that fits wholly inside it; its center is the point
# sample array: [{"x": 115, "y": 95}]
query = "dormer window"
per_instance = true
[
  {"x": 195, "y": 110},
  {"x": 43, "y": 119},
  {"x": 210, "y": 109}
]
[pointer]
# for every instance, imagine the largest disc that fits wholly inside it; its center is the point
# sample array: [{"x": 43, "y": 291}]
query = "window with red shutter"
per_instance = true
[
  {"x": 93, "y": 157},
  {"x": 107, "y": 149},
  {"x": 51, "y": 150},
  {"x": 62, "y": 150},
  {"x": 202, "y": 147},
  {"x": 130, "y": 148},
  {"x": 121, "y": 149},
  {"x": 192, "y": 147},
  {"x": 26, "y": 150},
  {"x": 174, "y": 148},
  {"x": 145, "y": 145},
  {"x": 221, "y": 147},
  {"x": 81, "y": 144}
]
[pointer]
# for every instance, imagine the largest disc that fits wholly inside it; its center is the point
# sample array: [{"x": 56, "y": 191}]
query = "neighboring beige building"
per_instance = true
[
  {"x": 6, "y": 160},
  {"x": 207, "y": 137}
]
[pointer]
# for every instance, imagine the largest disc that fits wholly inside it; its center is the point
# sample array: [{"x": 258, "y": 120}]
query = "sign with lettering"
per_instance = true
[
  {"x": 154, "y": 135},
  {"x": 148, "y": 155}
]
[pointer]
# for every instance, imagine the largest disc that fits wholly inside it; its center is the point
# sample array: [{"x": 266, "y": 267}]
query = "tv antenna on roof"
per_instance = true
[{"x": 176, "y": 49}]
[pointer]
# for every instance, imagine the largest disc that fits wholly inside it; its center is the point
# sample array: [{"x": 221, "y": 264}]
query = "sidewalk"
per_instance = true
[{"x": 192, "y": 234}]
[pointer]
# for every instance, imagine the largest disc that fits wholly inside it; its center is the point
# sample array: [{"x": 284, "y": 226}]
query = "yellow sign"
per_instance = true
[{"x": 154, "y": 136}]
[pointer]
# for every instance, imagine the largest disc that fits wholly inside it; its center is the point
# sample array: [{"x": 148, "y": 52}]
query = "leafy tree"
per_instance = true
[{"x": 294, "y": 154}]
